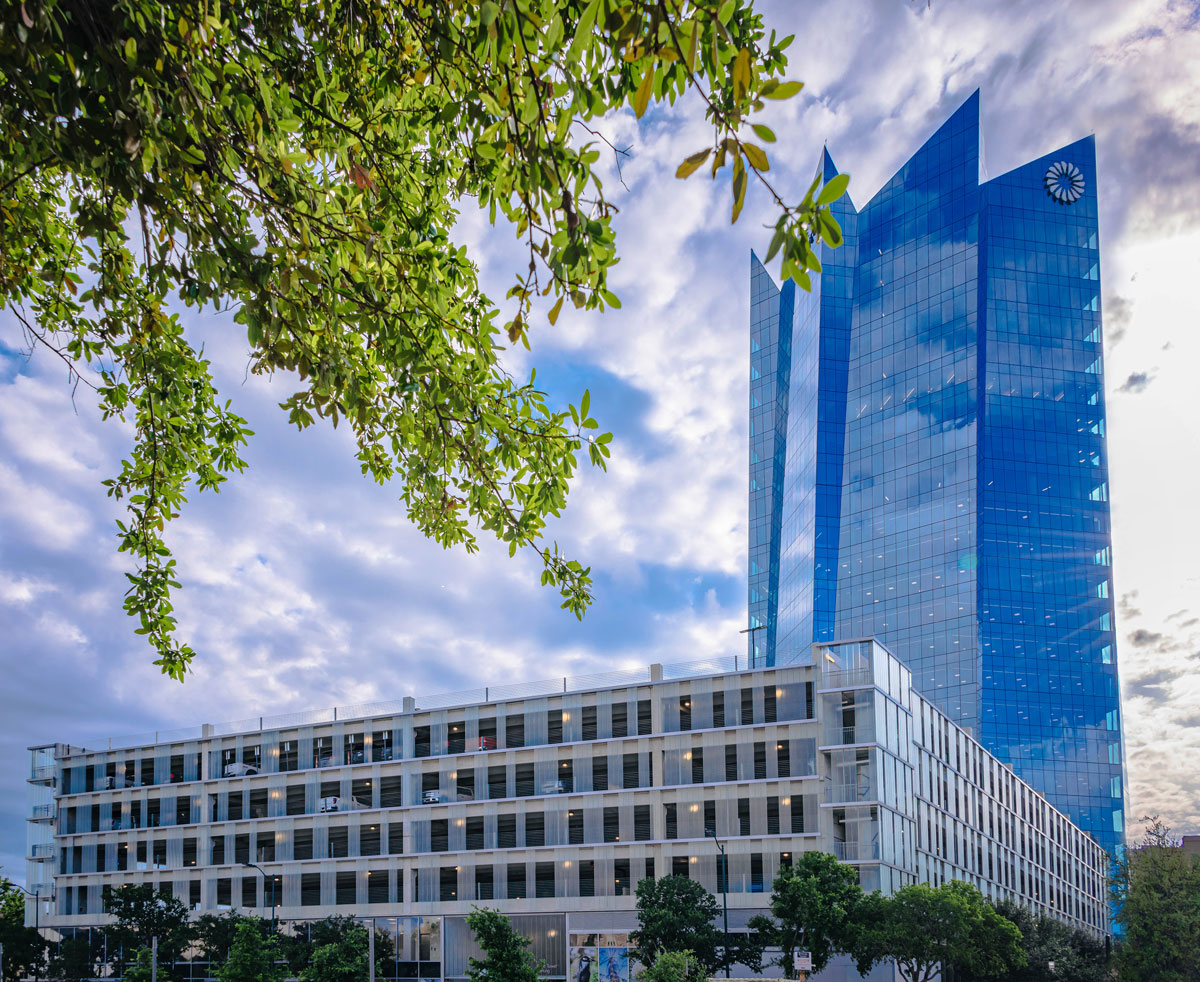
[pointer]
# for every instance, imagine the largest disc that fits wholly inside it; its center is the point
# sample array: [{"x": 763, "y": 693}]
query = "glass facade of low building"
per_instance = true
[
  {"x": 944, "y": 477},
  {"x": 552, "y": 805}
]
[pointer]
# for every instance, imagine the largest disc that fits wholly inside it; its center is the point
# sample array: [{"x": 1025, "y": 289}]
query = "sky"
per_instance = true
[{"x": 305, "y": 586}]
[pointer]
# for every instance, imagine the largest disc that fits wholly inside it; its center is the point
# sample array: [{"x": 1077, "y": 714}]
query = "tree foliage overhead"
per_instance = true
[
  {"x": 508, "y": 956},
  {"x": 676, "y": 913},
  {"x": 1156, "y": 897},
  {"x": 1077, "y": 955},
  {"x": 302, "y": 165},
  {"x": 140, "y": 914},
  {"x": 815, "y": 906}
]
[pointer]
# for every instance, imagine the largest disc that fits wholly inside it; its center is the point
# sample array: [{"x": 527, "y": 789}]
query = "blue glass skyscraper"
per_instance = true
[{"x": 928, "y": 462}]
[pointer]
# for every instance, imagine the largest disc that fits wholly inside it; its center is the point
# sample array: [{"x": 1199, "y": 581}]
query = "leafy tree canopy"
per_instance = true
[
  {"x": 141, "y": 967},
  {"x": 676, "y": 913},
  {"x": 1077, "y": 956},
  {"x": 1156, "y": 896},
  {"x": 343, "y": 958},
  {"x": 76, "y": 958},
  {"x": 814, "y": 907},
  {"x": 924, "y": 928},
  {"x": 301, "y": 164},
  {"x": 251, "y": 957},
  {"x": 141, "y": 914},
  {"x": 673, "y": 966},
  {"x": 24, "y": 950},
  {"x": 508, "y": 956}
]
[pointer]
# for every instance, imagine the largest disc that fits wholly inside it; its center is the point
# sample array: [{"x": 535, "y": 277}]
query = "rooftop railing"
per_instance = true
[{"x": 445, "y": 700}]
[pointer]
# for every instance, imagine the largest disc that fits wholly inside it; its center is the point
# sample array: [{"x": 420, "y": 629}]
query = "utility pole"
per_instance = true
[
  {"x": 371, "y": 948},
  {"x": 265, "y": 878},
  {"x": 753, "y": 645},
  {"x": 154, "y": 959},
  {"x": 712, "y": 834}
]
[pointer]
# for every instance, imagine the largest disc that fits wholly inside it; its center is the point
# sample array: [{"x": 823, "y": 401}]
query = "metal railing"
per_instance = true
[
  {"x": 855, "y": 851},
  {"x": 42, "y": 772},
  {"x": 41, "y": 812},
  {"x": 446, "y": 700},
  {"x": 843, "y": 678},
  {"x": 847, "y": 793},
  {"x": 42, "y": 850}
]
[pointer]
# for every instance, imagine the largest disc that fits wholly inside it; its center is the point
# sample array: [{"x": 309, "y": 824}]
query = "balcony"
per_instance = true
[
  {"x": 42, "y": 773},
  {"x": 41, "y": 851},
  {"x": 845, "y": 794},
  {"x": 835, "y": 736},
  {"x": 846, "y": 678},
  {"x": 41, "y": 813},
  {"x": 855, "y": 852}
]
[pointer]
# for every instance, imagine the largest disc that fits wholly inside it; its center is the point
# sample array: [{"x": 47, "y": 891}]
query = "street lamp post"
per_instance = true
[
  {"x": 712, "y": 834},
  {"x": 265, "y": 878},
  {"x": 37, "y": 910}
]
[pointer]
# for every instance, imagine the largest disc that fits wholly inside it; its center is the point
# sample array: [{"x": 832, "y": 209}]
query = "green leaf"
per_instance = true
[
  {"x": 642, "y": 99},
  {"x": 488, "y": 12},
  {"x": 738, "y": 187},
  {"x": 756, "y": 156},
  {"x": 555, "y": 310},
  {"x": 834, "y": 188},
  {"x": 784, "y": 90},
  {"x": 691, "y": 163},
  {"x": 764, "y": 132},
  {"x": 131, "y": 52}
]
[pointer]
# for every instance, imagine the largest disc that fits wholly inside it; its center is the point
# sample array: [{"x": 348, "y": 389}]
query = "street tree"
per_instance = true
[
  {"x": 926, "y": 929},
  {"x": 24, "y": 949},
  {"x": 252, "y": 958},
  {"x": 301, "y": 165},
  {"x": 676, "y": 913},
  {"x": 344, "y": 957},
  {"x": 1156, "y": 896},
  {"x": 142, "y": 913},
  {"x": 814, "y": 908},
  {"x": 508, "y": 956}
]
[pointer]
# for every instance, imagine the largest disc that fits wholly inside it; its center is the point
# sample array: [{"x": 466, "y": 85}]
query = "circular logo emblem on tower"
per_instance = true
[{"x": 1064, "y": 182}]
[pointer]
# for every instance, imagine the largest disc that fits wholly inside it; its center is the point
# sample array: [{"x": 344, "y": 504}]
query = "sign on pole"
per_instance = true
[{"x": 802, "y": 961}]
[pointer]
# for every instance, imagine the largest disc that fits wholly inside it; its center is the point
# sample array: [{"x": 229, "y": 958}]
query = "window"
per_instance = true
[
  {"x": 339, "y": 841},
  {"x": 354, "y": 748},
  {"x": 645, "y": 719},
  {"x": 475, "y": 833},
  {"x": 599, "y": 773},
  {"x": 524, "y": 780},
  {"x": 685, "y": 712},
  {"x": 612, "y": 825},
  {"x": 289, "y": 755},
  {"x": 258, "y": 803},
  {"x": 543, "y": 880},
  {"x": 439, "y": 835},
  {"x": 514, "y": 730},
  {"x": 756, "y": 872},
  {"x": 516, "y": 881},
  {"x": 302, "y": 844},
  {"x": 381, "y": 749},
  {"x": 760, "y": 761},
  {"x": 697, "y": 765},
  {"x": 589, "y": 723},
  {"x": 554, "y": 727},
  {"x": 783, "y": 757},
  {"x": 310, "y": 889},
  {"x": 629, "y": 771},
  {"x": 497, "y": 781},
  {"x": 421, "y": 745},
  {"x": 798, "y": 815},
  {"x": 575, "y": 827},
  {"x": 769, "y": 713},
  {"x": 224, "y": 893},
  {"x": 506, "y": 831},
  {"x": 641, "y": 823},
  {"x": 731, "y": 762},
  {"x": 743, "y": 816},
  {"x": 710, "y": 816},
  {"x": 718, "y": 701},
  {"x": 620, "y": 719},
  {"x": 391, "y": 791},
  {"x": 484, "y": 883},
  {"x": 456, "y": 738},
  {"x": 377, "y": 886},
  {"x": 241, "y": 848},
  {"x": 487, "y": 733},
  {"x": 535, "y": 829},
  {"x": 672, "y": 820},
  {"x": 448, "y": 883},
  {"x": 747, "y": 706},
  {"x": 347, "y": 888},
  {"x": 587, "y": 878},
  {"x": 621, "y": 877},
  {"x": 368, "y": 840},
  {"x": 566, "y": 776},
  {"x": 322, "y": 749},
  {"x": 680, "y": 866},
  {"x": 772, "y": 815},
  {"x": 183, "y": 810},
  {"x": 395, "y": 838}
]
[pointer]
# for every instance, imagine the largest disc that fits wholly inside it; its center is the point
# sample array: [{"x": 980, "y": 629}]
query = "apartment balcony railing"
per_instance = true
[
  {"x": 837, "y": 794},
  {"x": 42, "y": 774},
  {"x": 864, "y": 733},
  {"x": 853, "y": 852},
  {"x": 41, "y": 813},
  {"x": 41, "y": 850},
  {"x": 845, "y": 678}
]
